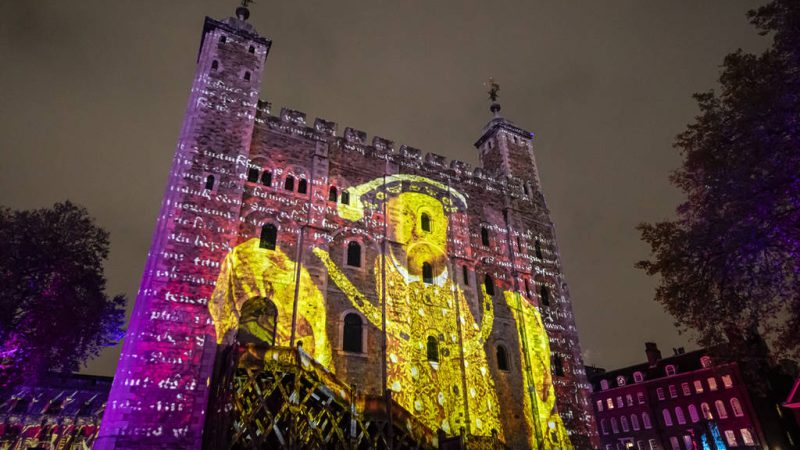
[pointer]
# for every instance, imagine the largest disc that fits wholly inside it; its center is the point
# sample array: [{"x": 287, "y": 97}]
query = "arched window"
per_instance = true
[
  {"x": 604, "y": 426},
  {"x": 722, "y": 413},
  {"x": 705, "y": 361},
  {"x": 352, "y": 334},
  {"x": 693, "y": 414},
  {"x": 289, "y": 183},
  {"x": 635, "y": 422},
  {"x": 667, "y": 417},
  {"x": 345, "y": 198},
  {"x": 302, "y": 186},
  {"x": 544, "y": 295},
  {"x": 624, "y": 422},
  {"x": 427, "y": 273},
  {"x": 266, "y": 178},
  {"x": 488, "y": 283},
  {"x": 670, "y": 369},
  {"x": 736, "y": 407},
  {"x": 484, "y": 236},
  {"x": 252, "y": 175},
  {"x": 354, "y": 254},
  {"x": 333, "y": 195},
  {"x": 257, "y": 322},
  {"x": 269, "y": 236},
  {"x": 247, "y": 75},
  {"x": 747, "y": 437},
  {"x": 638, "y": 377},
  {"x": 646, "y": 420},
  {"x": 214, "y": 65},
  {"x": 433, "y": 349},
  {"x": 465, "y": 274},
  {"x": 614, "y": 427},
  {"x": 538, "y": 249},
  {"x": 679, "y": 415},
  {"x": 558, "y": 366},
  {"x": 425, "y": 222},
  {"x": 706, "y": 411},
  {"x": 210, "y": 182},
  {"x": 502, "y": 358}
]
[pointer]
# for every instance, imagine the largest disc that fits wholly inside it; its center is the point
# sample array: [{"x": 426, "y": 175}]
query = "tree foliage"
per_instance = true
[
  {"x": 54, "y": 313},
  {"x": 729, "y": 262}
]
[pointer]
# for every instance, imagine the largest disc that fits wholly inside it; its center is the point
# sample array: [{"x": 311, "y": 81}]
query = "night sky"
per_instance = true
[{"x": 92, "y": 96}]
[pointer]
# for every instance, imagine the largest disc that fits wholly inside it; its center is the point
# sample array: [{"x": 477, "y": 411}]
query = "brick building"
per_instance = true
[
  {"x": 387, "y": 294},
  {"x": 687, "y": 401}
]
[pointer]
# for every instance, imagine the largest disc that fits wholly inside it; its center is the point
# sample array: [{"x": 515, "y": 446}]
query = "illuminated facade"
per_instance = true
[{"x": 391, "y": 275}]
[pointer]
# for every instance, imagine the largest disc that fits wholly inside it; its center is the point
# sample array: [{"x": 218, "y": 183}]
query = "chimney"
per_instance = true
[{"x": 653, "y": 353}]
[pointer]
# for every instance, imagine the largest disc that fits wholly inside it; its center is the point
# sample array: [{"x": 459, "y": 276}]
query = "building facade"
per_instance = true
[
  {"x": 687, "y": 401},
  {"x": 392, "y": 277}
]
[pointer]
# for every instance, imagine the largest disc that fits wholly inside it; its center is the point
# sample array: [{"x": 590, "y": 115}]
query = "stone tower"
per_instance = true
[
  {"x": 401, "y": 296},
  {"x": 160, "y": 390}
]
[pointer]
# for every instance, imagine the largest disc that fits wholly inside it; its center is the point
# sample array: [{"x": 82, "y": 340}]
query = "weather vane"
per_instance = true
[
  {"x": 246, "y": 3},
  {"x": 494, "y": 88}
]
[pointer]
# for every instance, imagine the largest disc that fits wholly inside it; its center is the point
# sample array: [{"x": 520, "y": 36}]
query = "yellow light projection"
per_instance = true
[
  {"x": 540, "y": 407},
  {"x": 254, "y": 275}
]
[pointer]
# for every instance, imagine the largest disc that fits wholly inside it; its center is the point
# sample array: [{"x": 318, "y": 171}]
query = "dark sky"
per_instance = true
[{"x": 92, "y": 95}]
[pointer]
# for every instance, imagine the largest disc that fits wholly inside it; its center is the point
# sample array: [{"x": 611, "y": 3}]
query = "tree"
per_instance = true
[
  {"x": 729, "y": 263},
  {"x": 54, "y": 313}
]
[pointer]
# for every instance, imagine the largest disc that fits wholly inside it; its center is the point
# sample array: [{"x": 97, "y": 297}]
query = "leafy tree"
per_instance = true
[
  {"x": 729, "y": 263},
  {"x": 54, "y": 313}
]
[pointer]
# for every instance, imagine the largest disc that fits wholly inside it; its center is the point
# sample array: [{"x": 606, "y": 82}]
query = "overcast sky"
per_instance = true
[{"x": 92, "y": 96}]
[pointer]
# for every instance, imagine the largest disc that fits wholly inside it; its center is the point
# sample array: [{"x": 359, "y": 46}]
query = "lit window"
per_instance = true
[
  {"x": 706, "y": 411},
  {"x": 693, "y": 414},
  {"x": 488, "y": 283},
  {"x": 603, "y": 384},
  {"x": 269, "y": 237},
  {"x": 667, "y": 417},
  {"x": 640, "y": 397},
  {"x": 266, "y": 178},
  {"x": 688, "y": 444},
  {"x": 354, "y": 254},
  {"x": 646, "y": 420},
  {"x": 712, "y": 384},
  {"x": 600, "y": 406},
  {"x": 433, "y": 349},
  {"x": 747, "y": 437},
  {"x": 679, "y": 415},
  {"x": 210, "y": 182},
  {"x": 425, "y": 222},
  {"x": 352, "y": 335},
  {"x": 465, "y": 275},
  {"x": 544, "y": 294},
  {"x": 698, "y": 386},
  {"x": 302, "y": 186},
  {"x": 332, "y": 194},
  {"x": 345, "y": 198},
  {"x": 660, "y": 393},
  {"x": 722, "y": 413},
  {"x": 289, "y": 183},
  {"x": 610, "y": 403},
  {"x": 638, "y": 377},
  {"x": 252, "y": 175},
  {"x": 427, "y": 273},
  {"x": 727, "y": 381},
  {"x": 736, "y": 407},
  {"x": 620, "y": 380},
  {"x": 635, "y": 422},
  {"x": 730, "y": 436},
  {"x": 686, "y": 389},
  {"x": 502, "y": 361},
  {"x": 624, "y": 422},
  {"x": 670, "y": 369},
  {"x": 484, "y": 236},
  {"x": 673, "y": 391},
  {"x": 705, "y": 361}
]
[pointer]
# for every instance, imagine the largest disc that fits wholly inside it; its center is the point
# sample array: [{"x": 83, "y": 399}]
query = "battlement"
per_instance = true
[{"x": 294, "y": 122}]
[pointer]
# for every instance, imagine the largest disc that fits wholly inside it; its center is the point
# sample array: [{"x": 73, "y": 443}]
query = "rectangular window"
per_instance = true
[
  {"x": 687, "y": 442},
  {"x": 747, "y": 438},
  {"x": 629, "y": 399},
  {"x": 673, "y": 391},
  {"x": 640, "y": 397},
  {"x": 599, "y": 405},
  {"x": 727, "y": 381},
  {"x": 653, "y": 444},
  {"x": 660, "y": 393},
  {"x": 730, "y": 436},
  {"x": 698, "y": 386},
  {"x": 686, "y": 389},
  {"x": 712, "y": 384},
  {"x": 610, "y": 403},
  {"x": 619, "y": 402},
  {"x": 640, "y": 445},
  {"x": 673, "y": 441}
]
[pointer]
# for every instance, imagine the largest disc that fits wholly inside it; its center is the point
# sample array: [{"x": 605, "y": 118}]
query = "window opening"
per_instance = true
[
  {"x": 433, "y": 349},
  {"x": 352, "y": 336},
  {"x": 269, "y": 236},
  {"x": 502, "y": 358},
  {"x": 302, "y": 186},
  {"x": 289, "y": 183},
  {"x": 332, "y": 194},
  {"x": 266, "y": 178},
  {"x": 210, "y": 182},
  {"x": 427, "y": 273},
  {"x": 354, "y": 254}
]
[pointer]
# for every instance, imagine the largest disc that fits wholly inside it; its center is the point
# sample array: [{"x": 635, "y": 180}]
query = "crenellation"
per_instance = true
[
  {"x": 383, "y": 145},
  {"x": 435, "y": 160},
  {"x": 353, "y": 136},
  {"x": 325, "y": 127},
  {"x": 293, "y": 116}
]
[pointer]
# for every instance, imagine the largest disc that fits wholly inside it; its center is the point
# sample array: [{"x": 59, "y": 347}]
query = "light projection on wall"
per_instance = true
[{"x": 436, "y": 359}]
